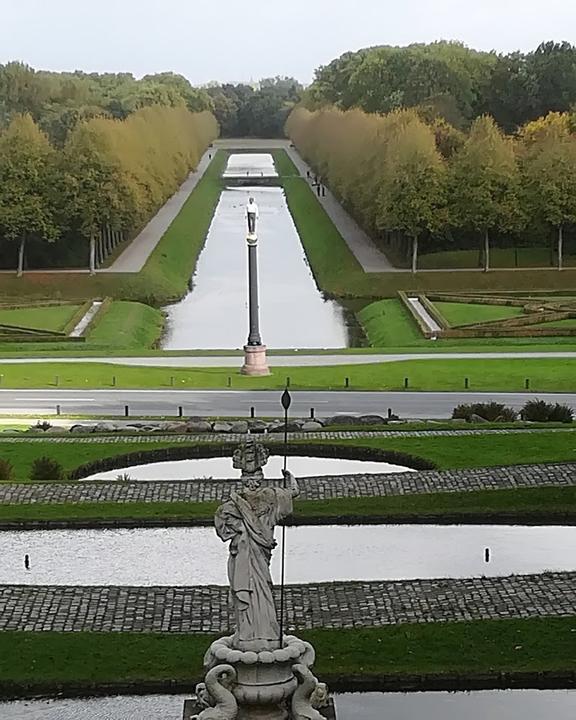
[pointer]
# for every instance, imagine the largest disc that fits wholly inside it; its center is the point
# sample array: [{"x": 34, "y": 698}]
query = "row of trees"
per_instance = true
[
  {"x": 452, "y": 81},
  {"x": 108, "y": 178},
  {"x": 58, "y": 101},
  {"x": 243, "y": 111},
  {"x": 431, "y": 185}
]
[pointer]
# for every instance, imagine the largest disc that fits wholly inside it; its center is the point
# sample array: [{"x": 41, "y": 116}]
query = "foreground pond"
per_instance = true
[
  {"x": 496, "y": 705},
  {"x": 293, "y": 312},
  {"x": 221, "y": 468},
  {"x": 195, "y": 556}
]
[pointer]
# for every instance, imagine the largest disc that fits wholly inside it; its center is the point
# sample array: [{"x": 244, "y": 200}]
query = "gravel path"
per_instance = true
[{"x": 134, "y": 257}]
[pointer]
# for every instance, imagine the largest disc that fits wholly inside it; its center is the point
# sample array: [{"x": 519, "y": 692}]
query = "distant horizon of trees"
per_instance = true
[{"x": 450, "y": 80}]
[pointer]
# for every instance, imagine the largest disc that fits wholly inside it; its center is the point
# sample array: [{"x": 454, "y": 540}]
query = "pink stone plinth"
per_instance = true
[{"x": 255, "y": 360}]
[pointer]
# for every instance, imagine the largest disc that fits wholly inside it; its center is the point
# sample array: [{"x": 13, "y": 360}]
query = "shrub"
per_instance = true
[
  {"x": 45, "y": 468},
  {"x": 6, "y": 471},
  {"x": 491, "y": 412},
  {"x": 541, "y": 411}
]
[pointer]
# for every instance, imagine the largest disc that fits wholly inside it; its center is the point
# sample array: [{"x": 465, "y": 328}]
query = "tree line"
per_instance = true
[
  {"x": 73, "y": 202},
  {"x": 58, "y": 101},
  {"x": 416, "y": 184},
  {"x": 450, "y": 80},
  {"x": 245, "y": 111}
]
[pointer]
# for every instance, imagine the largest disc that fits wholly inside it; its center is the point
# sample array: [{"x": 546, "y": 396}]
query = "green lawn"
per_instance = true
[
  {"x": 466, "y": 314},
  {"x": 51, "y": 317},
  {"x": 467, "y": 647},
  {"x": 443, "y": 451},
  {"x": 538, "y": 504},
  {"x": 127, "y": 324},
  {"x": 546, "y": 375}
]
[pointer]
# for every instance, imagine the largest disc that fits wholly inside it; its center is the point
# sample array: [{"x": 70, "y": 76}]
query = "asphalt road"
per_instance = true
[{"x": 434, "y": 405}]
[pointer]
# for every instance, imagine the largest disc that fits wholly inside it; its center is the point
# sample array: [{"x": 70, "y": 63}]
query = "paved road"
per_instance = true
[
  {"x": 299, "y": 360},
  {"x": 365, "y": 251},
  {"x": 152, "y": 403},
  {"x": 134, "y": 257}
]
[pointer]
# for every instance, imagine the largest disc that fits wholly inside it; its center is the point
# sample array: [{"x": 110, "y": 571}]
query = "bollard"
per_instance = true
[
  {"x": 180, "y": 411},
  {"x": 347, "y": 382},
  {"x": 57, "y": 380},
  {"x": 172, "y": 381},
  {"x": 405, "y": 383},
  {"x": 113, "y": 380},
  {"x": 312, "y": 414},
  {"x": 466, "y": 383},
  {"x": 288, "y": 382},
  {"x": 126, "y": 411},
  {"x": 389, "y": 413},
  {"x": 57, "y": 409},
  {"x": 1, "y": 379},
  {"x": 527, "y": 384},
  {"x": 229, "y": 381},
  {"x": 252, "y": 413}
]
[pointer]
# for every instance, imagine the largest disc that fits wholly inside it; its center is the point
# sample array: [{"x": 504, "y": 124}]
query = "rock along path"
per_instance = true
[
  {"x": 318, "y": 605},
  {"x": 313, "y": 488}
]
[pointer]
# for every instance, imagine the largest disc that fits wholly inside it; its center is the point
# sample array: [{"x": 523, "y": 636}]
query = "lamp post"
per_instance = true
[{"x": 254, "y": 351}]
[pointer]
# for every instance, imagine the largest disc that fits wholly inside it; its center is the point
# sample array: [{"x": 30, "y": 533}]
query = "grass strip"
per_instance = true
[
  {"x": 445, "y": 451},
  {"x": 544, "y": 503},
  {"x": 438, "y": 374},
  {"x": 543, "y": 644}
]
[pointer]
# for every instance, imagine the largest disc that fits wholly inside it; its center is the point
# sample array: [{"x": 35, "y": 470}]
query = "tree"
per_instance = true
[
  {"x": 411, "y": 197},
  {"x": 484, "y": 184},
  {"x": 549, "y": 173},
  {"x": 26, "y": 182}
]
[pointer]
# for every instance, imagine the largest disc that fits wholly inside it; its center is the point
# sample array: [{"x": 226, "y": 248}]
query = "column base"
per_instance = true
[{"x": 255, "y": 360}]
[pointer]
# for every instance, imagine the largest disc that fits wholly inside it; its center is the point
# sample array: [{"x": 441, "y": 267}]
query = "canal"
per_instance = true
[{"x": 293, "y": 312}]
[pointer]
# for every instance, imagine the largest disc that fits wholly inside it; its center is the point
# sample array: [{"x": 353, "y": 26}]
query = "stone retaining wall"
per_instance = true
[
  {"x": 320, "y": 605},
  {"x": 315, "y": 488}
]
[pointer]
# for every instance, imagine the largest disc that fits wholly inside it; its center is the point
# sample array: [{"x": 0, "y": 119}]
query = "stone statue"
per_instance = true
[
  {"x": 250, "y": 458},
  {"x": 225, "y": 704},
  {"x": 248, "y": 520},
  {"x": 252, "y": 214},
  {"x": 308, "y": 696}
]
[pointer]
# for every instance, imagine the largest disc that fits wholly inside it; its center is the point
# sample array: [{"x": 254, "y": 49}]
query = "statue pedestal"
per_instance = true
[
  {"x": 192, "y": 708},
  {"x": 255, "y": 361}
]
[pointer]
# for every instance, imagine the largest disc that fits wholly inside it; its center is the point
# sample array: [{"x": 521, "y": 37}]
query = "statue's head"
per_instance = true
[{"x": 251, "y": 200}]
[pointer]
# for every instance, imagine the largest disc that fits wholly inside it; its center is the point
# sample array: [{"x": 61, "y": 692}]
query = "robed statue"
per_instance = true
[{"x": 247, "y": 520}]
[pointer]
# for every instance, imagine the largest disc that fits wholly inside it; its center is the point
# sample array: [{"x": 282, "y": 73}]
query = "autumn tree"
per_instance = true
[
  {"x": 549, "y": 174},
  {"x": 26, "y": 184},
  {"x": 484, "y": 184}
]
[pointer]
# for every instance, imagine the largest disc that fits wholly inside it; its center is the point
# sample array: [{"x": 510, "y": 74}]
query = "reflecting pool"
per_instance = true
[{"x": 195, "y": 556}]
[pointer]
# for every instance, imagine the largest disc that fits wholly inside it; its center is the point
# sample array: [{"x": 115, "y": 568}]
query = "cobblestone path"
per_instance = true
[
  {"x": 152, "y": 438},
  {"x": 314, "y": 488},
  {"x": 335, "y": 605}
]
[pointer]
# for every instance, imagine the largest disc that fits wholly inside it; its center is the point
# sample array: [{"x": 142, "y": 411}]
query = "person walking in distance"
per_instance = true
[{"x": 252, "y": 215}]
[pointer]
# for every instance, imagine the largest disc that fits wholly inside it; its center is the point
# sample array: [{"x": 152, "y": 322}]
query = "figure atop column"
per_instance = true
[{"x": 252, "y": 215}]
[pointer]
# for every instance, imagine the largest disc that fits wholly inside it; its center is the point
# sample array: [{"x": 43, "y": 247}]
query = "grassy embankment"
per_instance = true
[
  {"x": 522, "y": 257},
  {"x": 51, "y": 317},
  {"x": 532, "y": 645},
  {"x": 506, "y": 375}
]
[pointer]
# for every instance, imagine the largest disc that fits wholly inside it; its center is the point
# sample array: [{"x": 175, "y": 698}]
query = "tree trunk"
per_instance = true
[
  {"x": 414, "y": 254},
  {"x": 21, "y": 256},
  {"x": 560, "y": 247},
  {"x": 93, "y": 253},
  {"x": 486, "y": 252}
]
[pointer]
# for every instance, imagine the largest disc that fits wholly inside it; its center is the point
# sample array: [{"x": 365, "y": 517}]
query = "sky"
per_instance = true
[{"x": 227, "y": 40}]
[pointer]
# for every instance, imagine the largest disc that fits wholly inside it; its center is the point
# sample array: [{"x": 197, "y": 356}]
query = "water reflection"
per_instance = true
[
  {"x": 221, "y": 467},
  {"x": 493, "y": 704},
  {"x": 195, "y": 556},
  {"x": 293, "y": 312},
  {"x": 251, "y": 164}
]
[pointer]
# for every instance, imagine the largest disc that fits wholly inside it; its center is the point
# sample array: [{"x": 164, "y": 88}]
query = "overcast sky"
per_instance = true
[{"x": 229, "y": 40}]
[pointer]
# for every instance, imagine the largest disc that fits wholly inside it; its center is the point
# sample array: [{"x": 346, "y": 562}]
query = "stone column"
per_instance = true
[{"x": 254, "y": 351}]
